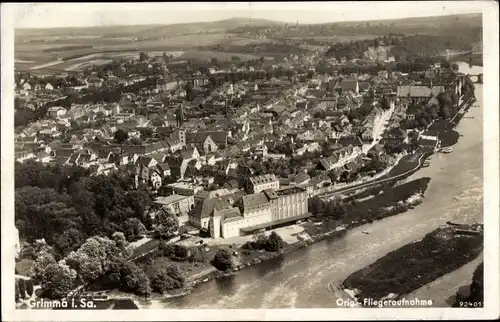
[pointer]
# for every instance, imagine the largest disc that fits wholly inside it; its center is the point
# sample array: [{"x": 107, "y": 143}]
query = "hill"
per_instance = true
[
  {"x": 145, "y": 31},
  {"x": 471, "y": 20}
]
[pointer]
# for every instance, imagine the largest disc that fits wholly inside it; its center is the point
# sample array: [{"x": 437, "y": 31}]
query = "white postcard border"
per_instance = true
[{"x": 489, "y": 10}]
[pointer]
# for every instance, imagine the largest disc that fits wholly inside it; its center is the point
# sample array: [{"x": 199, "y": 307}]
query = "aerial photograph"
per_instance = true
[{"x": 240, "y": 160}]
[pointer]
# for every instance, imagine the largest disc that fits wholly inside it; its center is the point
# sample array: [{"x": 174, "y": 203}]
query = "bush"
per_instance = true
[
  {"x": 29, "y": 287},
  {"x": 16, "y": 292},
  {"x": 28, "y": 253},
  {"x": 274, "y": 242},
  {"x": 22, "y": 288},
  {"x": 165, "y": 249},
  {"x": 167, "y": 278},
  {"x": 181, "y": 252},
  {"x": 223, "y": 259}
]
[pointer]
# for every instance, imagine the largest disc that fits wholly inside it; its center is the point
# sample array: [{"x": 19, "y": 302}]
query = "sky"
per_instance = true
[{"x": 52, "y": 15}]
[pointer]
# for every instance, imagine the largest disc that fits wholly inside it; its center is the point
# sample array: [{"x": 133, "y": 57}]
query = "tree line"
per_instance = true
[{"x": 65, "y": 206}]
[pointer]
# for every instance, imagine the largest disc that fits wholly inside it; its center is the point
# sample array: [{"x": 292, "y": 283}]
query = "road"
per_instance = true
[{"x": 376, "y": 181}]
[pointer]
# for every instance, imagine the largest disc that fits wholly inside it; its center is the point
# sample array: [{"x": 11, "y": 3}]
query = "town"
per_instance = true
[{"x": 215, "y": 153}]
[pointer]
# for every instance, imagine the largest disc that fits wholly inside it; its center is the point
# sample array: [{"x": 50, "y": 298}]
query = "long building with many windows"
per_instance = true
[{"x": 228, "y": 216}]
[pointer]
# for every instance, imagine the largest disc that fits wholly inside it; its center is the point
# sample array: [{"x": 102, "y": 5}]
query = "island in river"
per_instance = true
[{"x": 418, "y": 263}]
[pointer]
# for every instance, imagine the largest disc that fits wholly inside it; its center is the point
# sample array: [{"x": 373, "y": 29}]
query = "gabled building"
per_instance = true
[{"x": 260, "y": 183}]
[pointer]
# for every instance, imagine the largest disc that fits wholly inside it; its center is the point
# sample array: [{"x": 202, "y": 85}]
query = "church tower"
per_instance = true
[{"x": 180, "y": 115}]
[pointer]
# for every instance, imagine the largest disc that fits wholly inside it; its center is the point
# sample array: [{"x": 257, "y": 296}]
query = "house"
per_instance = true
[
  {"x": 56, "y": 112},
  {"x": 26, "y": 87},
  {"x": 367, "y": 135},
  {"x": 184, "y": 188},
  {"x": 259, "y": 183},
  {"x": 189, "y": 153},
  {"x": 49, "y": 87},
  {"x": 201, "y": 195},
  {"x": 177, "y": 204},
  {"x": 394, "y": 136},
  {"x": 301, "y": 178},
  {"x": 208, "y": 142},
  {"x": 204, "y": 211},
  {"x": 418, "y": 94},
  {"x": 350, "y": 140},
  {"x": 94, "y": 82},
  {"x": 348, "y": 84}
]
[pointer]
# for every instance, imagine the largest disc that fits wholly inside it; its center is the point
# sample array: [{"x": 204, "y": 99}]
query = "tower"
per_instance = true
[
  {"x": 226, "y": 107},
  {"x": 182, "y": 137},
  {"x": 180, "y": 115},
  {"x": 215, "y": 221}
]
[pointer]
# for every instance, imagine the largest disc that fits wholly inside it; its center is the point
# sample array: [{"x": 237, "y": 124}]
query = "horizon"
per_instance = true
[{"x": 70, "y": 15}]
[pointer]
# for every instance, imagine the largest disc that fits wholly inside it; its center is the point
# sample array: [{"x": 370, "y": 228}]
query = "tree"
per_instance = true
[
  {"x": 120, "y": 241},
  {"x": 335, "y": 208},
  {"x": 262, "y": 59},
  {"x": 29, "y": 287},
  {"x": 120, "y": 136},
  {"x": 167, "y": 224},
  {"x": 135, "y": 141},
  {"x": 165, "y": 57},
  {"x": 22, "y": 288},
  {"x": 181, "y": 252},
  {"x": 189, "y": 91},
  {"x": 274, "y": 242},
  {"x": 134, "y": 279},
  {"x": 134, "y": 229},
  {"x": 68, "y": 241},
  {"x": 88, "y": 268},
  {"x": 316, "y": 205},
  {"x": 57, "y": 281},
  {"x": 167, "y": 278},
  {"x": 214, "y": 61},
  {"x": 223, "y": 259},
  {"x": 143, "y": 56},
  {"x": 96, "y": 255},
  {"x": 143, "y": 284},
  {"x": 454, "y": 66},
  {"x": 16, "y": 292},
  {"x": 43, "y": 260}
]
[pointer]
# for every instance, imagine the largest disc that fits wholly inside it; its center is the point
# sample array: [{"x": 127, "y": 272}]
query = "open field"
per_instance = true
[
  {"x": 208, "y": 55},
  {"x": 88, "y": 64},
  {"x": 335, "y": 39},
  {"x": 45, "y": 55}
]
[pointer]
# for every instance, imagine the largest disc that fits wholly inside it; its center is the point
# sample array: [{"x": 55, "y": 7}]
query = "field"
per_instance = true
[
  {"x": 74, "y": 53},
  {"x": 220, "y": 56}
]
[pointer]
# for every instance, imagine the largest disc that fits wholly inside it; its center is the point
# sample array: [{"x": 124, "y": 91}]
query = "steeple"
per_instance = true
[{"x": 180, "y": 115}]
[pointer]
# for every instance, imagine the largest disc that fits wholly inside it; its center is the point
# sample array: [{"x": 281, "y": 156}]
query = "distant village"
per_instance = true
[{"x": 234, "y": 150}]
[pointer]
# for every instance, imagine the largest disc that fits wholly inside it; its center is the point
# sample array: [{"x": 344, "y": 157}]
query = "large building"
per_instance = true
[
  {"x": 230, "y": 215},
  {"x": 287, "y": 203},
  {"x": 260, "y": 183},
  {"x": 177, "y": 204}
]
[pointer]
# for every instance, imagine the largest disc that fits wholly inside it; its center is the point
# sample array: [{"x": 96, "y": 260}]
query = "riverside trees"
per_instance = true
[{"x": 65, "y": 206}]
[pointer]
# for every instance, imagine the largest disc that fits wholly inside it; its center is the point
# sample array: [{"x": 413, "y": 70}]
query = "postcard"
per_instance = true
[{"x": 250, "y": 161}]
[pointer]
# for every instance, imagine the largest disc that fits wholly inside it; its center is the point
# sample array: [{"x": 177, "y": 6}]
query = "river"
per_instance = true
[{"x": 300, "y": 279}]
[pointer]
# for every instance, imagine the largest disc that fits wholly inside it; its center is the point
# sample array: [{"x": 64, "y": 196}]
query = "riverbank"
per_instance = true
[
  {"x": 394, "y": 201},
  {"x": 265, "y": 285},
  {"x": 416, "y": 264}
]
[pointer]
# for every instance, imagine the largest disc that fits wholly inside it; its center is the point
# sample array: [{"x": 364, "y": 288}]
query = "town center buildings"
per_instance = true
[{"x": 229, "y": 216}]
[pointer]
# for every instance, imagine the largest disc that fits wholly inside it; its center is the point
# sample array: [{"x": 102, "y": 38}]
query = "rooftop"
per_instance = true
[
  {"x": 253, "y": 200},
  {"x": 170, "y": 199},
  {"x": 266, "y": 178}
]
